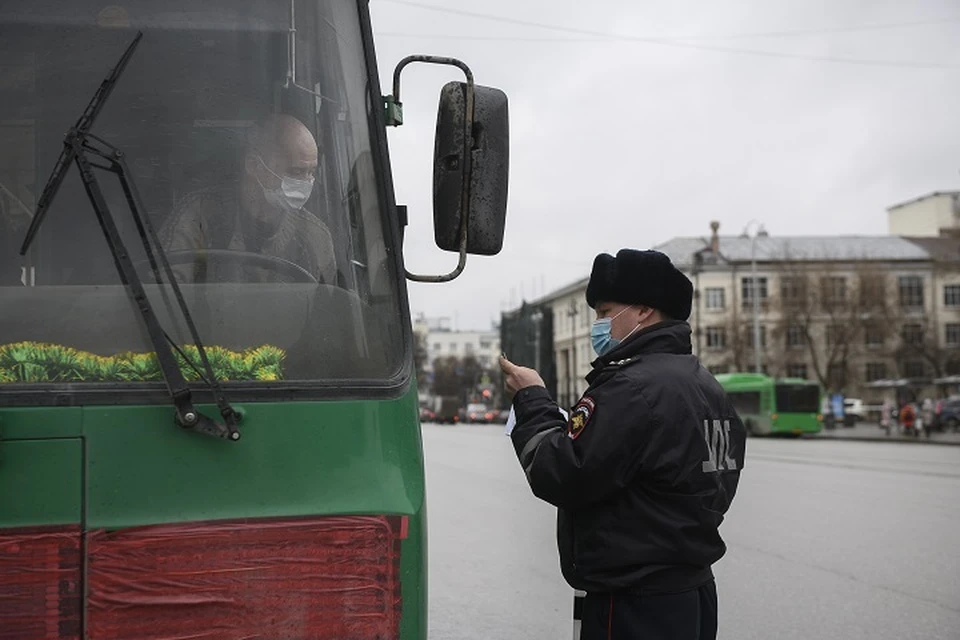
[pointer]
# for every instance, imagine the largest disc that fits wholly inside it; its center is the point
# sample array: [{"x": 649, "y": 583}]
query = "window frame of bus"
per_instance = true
[{"x": 394, "y": 386}]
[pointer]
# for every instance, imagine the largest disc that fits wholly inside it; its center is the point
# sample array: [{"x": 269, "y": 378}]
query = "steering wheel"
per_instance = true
[{"x": 213, "y": 258}]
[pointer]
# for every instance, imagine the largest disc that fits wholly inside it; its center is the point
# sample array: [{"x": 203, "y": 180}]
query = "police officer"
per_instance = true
[{"x": 645, "y": 466}]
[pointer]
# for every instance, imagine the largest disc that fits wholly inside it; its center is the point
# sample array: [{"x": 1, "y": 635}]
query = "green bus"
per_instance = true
[
  {"x": 208, "y": 413},
  {"x": 770, "y": 406}
]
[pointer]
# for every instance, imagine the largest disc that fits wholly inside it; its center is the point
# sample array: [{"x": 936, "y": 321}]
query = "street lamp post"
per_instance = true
[
  {"x": 536, "y": 317},
  {"x": 696, "y": 269},
  {"x": 755, "y": 291},
  {"x": 758, "y": 364},
  {"x": 572, "y": 312}
]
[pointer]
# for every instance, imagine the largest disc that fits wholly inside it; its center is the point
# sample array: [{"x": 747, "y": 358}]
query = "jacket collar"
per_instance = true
[{"x": 669, "y": 336}]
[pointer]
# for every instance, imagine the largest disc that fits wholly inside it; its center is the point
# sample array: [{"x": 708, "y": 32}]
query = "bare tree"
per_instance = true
[
  {"x": 919, "y": 340},
  {"x": 832, "y": 311},
  {"x": 459, "y": 377},
  {"x": 736, "y": 343}
]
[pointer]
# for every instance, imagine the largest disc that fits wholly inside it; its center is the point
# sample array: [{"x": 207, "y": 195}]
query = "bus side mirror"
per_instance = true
[{"x": 488, "y": 147}]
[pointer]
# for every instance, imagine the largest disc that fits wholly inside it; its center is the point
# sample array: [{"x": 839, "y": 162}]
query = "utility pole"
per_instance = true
[
  {"x": 697, "y": 268},
  {"x": 572, "y": 313},
  {"x": 755, "y": 290},
  {"x": 536, "y": 317}
]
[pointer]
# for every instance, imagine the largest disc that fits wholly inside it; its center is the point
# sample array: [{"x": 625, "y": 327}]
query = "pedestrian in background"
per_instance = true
[
  {"x": 927, "y": 416},
  {"x": 887, "y": 411},
  {"x": 645, "y": 467},
  {"x": 908, "y": 419}
]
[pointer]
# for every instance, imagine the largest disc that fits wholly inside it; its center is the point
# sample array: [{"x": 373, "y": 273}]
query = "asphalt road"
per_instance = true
[{"x": 825, "y": 539}]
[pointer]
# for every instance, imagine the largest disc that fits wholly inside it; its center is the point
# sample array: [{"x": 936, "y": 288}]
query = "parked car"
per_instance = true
[
  {"x": 478, "y": 413},
  {"x": 947, "y": 415},
  {"x": 427, "y": 415},
  {"x": 853, "y": 411},
  {"x": 448, "y": 410}
]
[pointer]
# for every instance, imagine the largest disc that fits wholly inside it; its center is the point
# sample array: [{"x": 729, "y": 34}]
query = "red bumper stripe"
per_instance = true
[
  {"x": 333, "y": 577},
  {"x": 40, "y": 583}
]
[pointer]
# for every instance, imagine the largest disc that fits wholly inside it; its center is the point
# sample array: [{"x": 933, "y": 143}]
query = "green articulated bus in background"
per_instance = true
[
  {"x": 215, "y": 442},
  {"x": 770, "y": 406}
]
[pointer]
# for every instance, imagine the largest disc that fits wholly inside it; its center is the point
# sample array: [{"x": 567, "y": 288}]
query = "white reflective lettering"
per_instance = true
[
  {"x": 710, "y": 464},
  {"x": 717, "y": 436},
  {"x": 730, "y": 463}
]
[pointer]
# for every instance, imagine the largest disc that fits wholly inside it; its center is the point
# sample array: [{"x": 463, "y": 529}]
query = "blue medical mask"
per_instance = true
[
  {"x": 601, "y": 338},
  {"x": 603, "y": 342}
]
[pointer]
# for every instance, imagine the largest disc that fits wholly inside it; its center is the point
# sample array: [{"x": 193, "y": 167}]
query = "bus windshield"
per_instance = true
[
  {"x": 247, "y": 127},
  {"x": 798, "y": 398}
]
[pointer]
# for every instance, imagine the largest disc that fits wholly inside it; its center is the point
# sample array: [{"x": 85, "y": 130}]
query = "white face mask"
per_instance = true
[{"x": 292, "y": 192}]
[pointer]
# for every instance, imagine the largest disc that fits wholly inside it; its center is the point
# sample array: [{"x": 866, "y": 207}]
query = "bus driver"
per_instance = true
[{"x": 264, "y": 213}]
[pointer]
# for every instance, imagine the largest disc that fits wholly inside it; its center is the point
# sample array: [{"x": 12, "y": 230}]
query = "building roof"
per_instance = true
[
  {"x": 800, "y": 249},
  {"x": 935, "y": 194},
  {"x": 573, "y": 287},
  {"x": 940, "y": 249},
  {"x": 736, "y": 249}
]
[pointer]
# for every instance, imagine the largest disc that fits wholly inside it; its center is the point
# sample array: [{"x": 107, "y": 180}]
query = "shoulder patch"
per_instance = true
[{"x": 580, "y": 416}]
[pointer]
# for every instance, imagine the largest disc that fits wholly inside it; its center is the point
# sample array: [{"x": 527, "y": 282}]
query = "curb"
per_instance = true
[{"x": 898, "y": 440}]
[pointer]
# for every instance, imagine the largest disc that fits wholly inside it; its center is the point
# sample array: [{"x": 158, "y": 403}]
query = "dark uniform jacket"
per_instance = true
[{"x": 643, "y": 470}]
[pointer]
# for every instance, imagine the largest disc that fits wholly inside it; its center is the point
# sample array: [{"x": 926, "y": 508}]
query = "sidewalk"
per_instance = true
[{"x": 867, "y": 431}]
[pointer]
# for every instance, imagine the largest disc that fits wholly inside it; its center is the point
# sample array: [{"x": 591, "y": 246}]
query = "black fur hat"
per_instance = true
[{"x": 640, "y": 277}]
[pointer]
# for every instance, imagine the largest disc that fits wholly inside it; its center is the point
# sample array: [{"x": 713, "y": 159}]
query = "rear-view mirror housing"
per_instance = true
[{"x": 488, "y": 146}]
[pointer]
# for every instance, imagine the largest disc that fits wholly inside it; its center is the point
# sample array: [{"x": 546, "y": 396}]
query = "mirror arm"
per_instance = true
[
  {"x": 460, "y": 265},
  {"x": 394, "y": 105}
]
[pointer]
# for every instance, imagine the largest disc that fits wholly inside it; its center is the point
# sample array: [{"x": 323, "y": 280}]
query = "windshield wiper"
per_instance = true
[{"x": 86, "y": 149}]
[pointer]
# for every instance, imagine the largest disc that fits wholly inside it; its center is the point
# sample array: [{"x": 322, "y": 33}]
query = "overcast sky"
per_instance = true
[{"x": 636, "y": 122}]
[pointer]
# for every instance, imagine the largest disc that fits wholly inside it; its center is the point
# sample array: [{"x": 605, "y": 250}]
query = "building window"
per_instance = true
[
  {"x": 914, "y": 369},
  {"x": 951, "y": 295},
  {"x": 716, "y": 338},
  {"x": 797, "y": 370},
  {"x": 453, "y": 347},
  {"x": 953, "y": 367},
  {"x": 437, "y": 346},
  {"x": 911, "y": 292},
  {"x": 837, "y": 375},
  {"x": 835, "y": 335},
  {"x": 763, "y": 336},
  {"x": 485, "y": 344},
  {"x": 834, "y": 289},
  {"x": 795, "y": 337},
  {"x": 872, "y": 290},
  {"x": 913, "y": 333},
  {"x": 718, "y": 369},
  {"x": 873, "y": 336},
  {"x": 716, "y": 298},
  {"x": 746, "y": 290},
  {"x": 793, "y": 289},
  {"x": 953, "y": 334},
  {"x": 468, "y": 347},
  {"x": 876, "y": 371}
]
